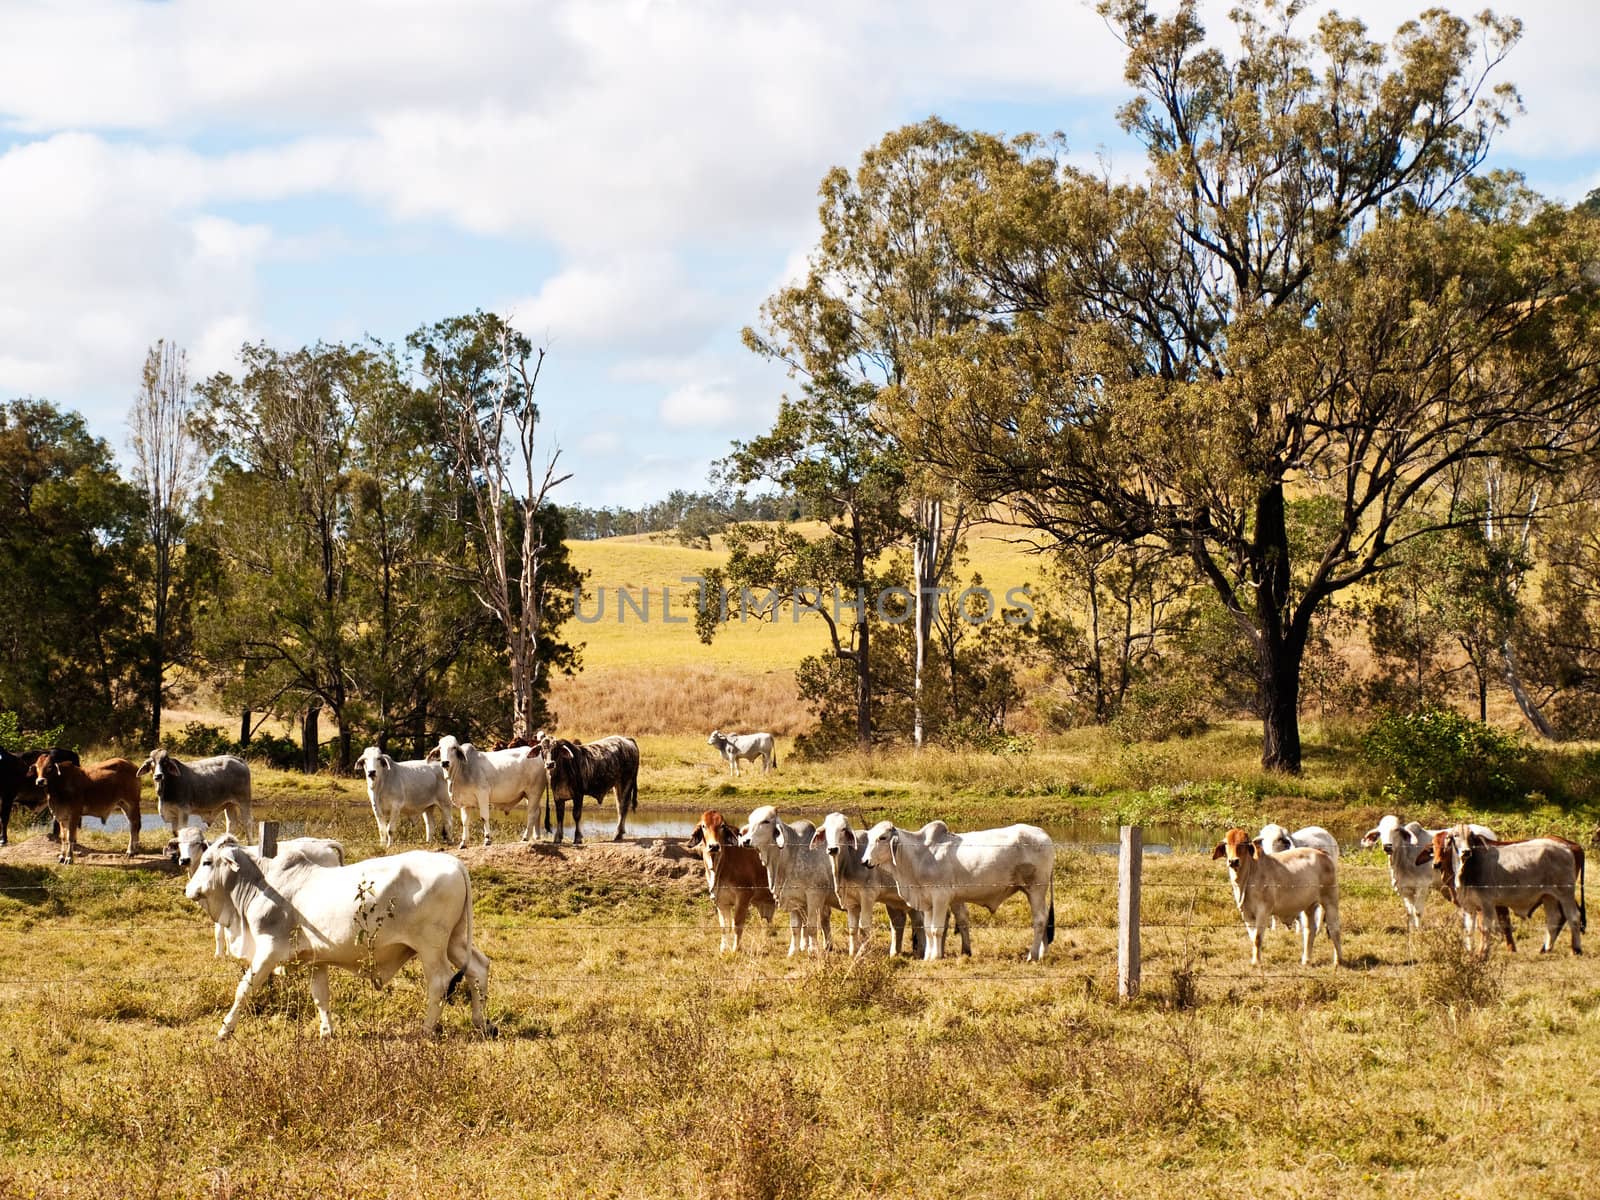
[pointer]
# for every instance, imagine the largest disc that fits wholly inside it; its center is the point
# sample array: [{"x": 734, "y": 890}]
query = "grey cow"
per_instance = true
[{"x": 205, "y": 786}]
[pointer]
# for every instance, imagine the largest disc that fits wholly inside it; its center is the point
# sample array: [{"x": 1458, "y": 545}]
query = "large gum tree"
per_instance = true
[{"x": 1310, "y": 317}]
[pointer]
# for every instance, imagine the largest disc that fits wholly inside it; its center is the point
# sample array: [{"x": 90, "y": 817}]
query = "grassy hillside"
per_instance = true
[{"x": 656, "y": 676}]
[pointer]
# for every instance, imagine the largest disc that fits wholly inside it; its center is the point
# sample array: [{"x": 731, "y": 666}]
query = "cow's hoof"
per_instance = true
[
  {"x": 488, "y": 842},
  {"x": 224, "y": 1034}
]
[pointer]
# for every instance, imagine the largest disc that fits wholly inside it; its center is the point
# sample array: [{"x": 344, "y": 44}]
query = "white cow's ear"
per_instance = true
[
  {"x": 894, "y": 845},
  {"x": 228, "y": 860},
  {"x": 819, "y": 839},
  {"x": 848, "y": 838}
]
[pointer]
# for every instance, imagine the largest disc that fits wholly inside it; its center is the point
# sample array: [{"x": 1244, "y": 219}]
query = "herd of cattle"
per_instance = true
[{"x": 303, "y": 903}]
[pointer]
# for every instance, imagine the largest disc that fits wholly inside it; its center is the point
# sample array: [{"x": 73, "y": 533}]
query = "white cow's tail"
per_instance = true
[
  {"x": 460, "y": 948},
  {"x": 1050, "y": 921}
]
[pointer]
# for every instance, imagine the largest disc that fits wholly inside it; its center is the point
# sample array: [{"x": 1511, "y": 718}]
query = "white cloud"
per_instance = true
[
  {"x": 642, "y": 303},
  {"x": 704, "y": 404},
  {"x": 600, "y": 442}
]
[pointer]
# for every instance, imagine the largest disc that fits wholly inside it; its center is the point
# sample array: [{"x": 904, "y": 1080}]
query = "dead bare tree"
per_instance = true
[
  {"x": 167, "y": 464},
  {"x": 486, "y": 374}
]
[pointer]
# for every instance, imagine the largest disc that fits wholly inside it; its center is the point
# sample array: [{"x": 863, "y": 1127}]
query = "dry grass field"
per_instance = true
[
  {"x": 634, "y": 1060},
  {"x": 655, "y": 676}
]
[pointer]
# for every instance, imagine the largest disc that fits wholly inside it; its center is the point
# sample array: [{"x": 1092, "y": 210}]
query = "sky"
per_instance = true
[{"x": 626, "y": 180}]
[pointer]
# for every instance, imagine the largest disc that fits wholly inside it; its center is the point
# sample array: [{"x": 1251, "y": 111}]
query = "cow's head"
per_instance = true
[
  {"x": 716, "y": 739},
  {"x": 219, "y": 864},
  {"x": 1240, "y": 851},
  {"x": 452, "y": 754},
  {"x": 155, "y": 765},
  {"x": 1383, "y": 833},
  {"x": 374, "y": 762},
  {"x": 881, "y": 846},
  {"x": 1274, "y": 839},
  {"x": 42, "y": 769},
  {"x": 838, "y": 839},
  {"x": 188, "y": 848},
  {"x": 763, "y": 830},
  {"x": 561, "y": 767}
]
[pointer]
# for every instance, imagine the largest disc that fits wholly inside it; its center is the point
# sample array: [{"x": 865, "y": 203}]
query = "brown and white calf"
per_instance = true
[
  {"x": 734, "y": 877},
  {"x": 1299, "y": 885},
  {"x": 1489, "y": 879},
  {"x": 98, "y": 790}
]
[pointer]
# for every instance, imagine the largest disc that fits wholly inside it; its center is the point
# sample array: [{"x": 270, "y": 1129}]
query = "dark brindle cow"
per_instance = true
[
  {"x": 16, "y": 788},
  {"x": 75, "y": 792},
  {"x": 594, "y": 769}
]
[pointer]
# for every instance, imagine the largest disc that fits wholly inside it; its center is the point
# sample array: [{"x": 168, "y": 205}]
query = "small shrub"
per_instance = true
[
  {"x": 969, "y": 734},
  {"x": 202, "y": 740},
  {"x": 1453, "y": 976},
  {"x": 1437, "y": 755},
  {"x": 1160, "y": 708}
]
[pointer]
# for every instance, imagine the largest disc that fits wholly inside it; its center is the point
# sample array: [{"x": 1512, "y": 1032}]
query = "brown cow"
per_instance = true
[
  {"x": 734, "y": 876},
  {"x": 75, "y": 792},
  {"x": 1444, "y": 853}
]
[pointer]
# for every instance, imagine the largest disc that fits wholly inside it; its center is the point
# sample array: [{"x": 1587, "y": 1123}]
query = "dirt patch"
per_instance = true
[
  {"x": 39, "y": 850},
  {"x": 653, "y": 860}
]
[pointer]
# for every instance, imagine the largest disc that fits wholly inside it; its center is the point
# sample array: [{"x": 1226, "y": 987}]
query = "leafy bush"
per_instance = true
[
  {"x": 12, "y": 737},
  {"x": 202, "y": 741},
  {"x": 1438, "y": 755},
  {"x": 969, "y": 734},
  {"x": 1161, "y": 707}
]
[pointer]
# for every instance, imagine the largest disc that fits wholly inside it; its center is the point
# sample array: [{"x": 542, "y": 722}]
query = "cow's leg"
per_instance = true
[
  {"x": 533, "y": 813},
  {"x": 577, "y": 820},
  {"x": 319, "y": 993},
  {"x": 259, "y": 968},
  {"x": 824, "y": 918},
  {"x": 483, "y": 815},
  {"x": 622, "y": 813},
  {"x": 437, "y": 974},
  {"x": 797, "y": 934},
  {"x": 133, "y": 832},
  {"x": 897, "y": 932},
  {"x": 70, "y": 833},
  {"x": 1254, "y": 933},
  {"x": 741, "y": 912},
  {"x": 465, "y": 814},
  {"x": 5, "y": 819},
  {"x": 446, "y": 834},
  {"x": 561, "y": 819},
  {"x": 933, "y": 927}
]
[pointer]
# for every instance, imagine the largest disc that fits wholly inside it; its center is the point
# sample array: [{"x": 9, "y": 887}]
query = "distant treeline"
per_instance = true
[{"x": 693, "y": 517}]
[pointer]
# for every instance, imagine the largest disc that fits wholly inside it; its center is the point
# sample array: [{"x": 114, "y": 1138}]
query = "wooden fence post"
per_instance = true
[
  {"x": 1130, "y": 867},
  {"x": 269, "y": 839}
]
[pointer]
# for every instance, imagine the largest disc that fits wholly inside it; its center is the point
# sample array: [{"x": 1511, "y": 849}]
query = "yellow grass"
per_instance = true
[{"x": 635, "y": 1061}]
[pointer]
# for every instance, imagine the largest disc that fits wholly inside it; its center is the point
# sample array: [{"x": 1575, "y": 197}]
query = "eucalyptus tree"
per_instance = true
[
  {"x": 884, "y": 276},
  {"x": 1311, "y": 317},
  {"x": 483, "y": 376}
]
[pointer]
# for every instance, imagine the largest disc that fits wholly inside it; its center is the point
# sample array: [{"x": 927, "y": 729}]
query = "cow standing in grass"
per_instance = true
[
  {"x": 746, "y": 746},
  {"x": 74, "y": 792},
  {"x": 16, "y": 788},
  {"x": 203, "y": 787},
  {"x": 593, "y": 769}
]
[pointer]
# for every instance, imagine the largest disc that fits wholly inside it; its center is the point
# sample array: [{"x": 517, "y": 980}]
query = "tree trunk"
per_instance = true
[
  {"x": 1524, "y": 701},
  {"x": 925, "y": 571},
  {"x": 244, "y": 727},
  {"x": 1280, "y": 706},
  {"x": 863, "y": 684},
  {"x": 309, "y": 739},
  {"x": 1281, "y": 639},
  {"x": 344, "y": 744}
]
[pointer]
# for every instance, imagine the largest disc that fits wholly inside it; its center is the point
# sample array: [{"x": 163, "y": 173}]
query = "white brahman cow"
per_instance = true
[
  {"x": 747, "y": 746},
  {"x": 933, "y": 872},
  {"x": 486, "y": 779},
  {"x": 800, "y": 878},
  {"x": 190, "y": 846},
  {"x": 416, "y": 787},
  {"x": 372, "y": 917}
]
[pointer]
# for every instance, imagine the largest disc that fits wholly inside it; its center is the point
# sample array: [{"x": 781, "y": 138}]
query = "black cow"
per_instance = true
[
  {"x": 594, "y": 769},
  {"x": 15, "y": 787}
]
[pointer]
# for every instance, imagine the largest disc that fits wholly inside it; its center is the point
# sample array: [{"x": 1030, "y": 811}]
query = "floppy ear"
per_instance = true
[
  {"x": 847, "y": 838},
  {"x": 433, "y": 755},
  {"x": 1425, "y": 857},
  {"x": 698, "y": 836},
  {"x": 1257, "y": 843},
  {"x": 1369, "y": 838},
  {"x": 819, "y": 839},
  {"x": 1250, "y": 849},
  {"x": 144, "y": 770},
  {"x": 894, "y": 846},
  {"x": 1220, "y": 852}
]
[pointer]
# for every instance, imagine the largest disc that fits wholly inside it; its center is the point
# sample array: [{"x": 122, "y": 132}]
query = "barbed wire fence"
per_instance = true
[{"x": 1119, "y": 919}]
